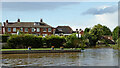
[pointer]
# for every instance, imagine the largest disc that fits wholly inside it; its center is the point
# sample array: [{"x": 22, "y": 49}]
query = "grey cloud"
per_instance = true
[
  {"x": 95, "y": 11},
  {"x": 26, "y": 6}
]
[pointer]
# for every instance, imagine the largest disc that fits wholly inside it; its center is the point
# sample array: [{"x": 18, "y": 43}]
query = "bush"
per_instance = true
[
  {"x": 5, "y": 46},
  {"x": 4, "y": 38},
  {"x": 72, "y": 41},
  {"x": 21, "y": 41},
  {"x": 53, "y": 40}
]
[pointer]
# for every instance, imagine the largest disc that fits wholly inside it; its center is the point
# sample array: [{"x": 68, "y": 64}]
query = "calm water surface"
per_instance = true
[{"x": 90, "y": 57}]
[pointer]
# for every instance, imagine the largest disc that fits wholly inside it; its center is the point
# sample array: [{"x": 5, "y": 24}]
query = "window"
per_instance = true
[
  {"x": 14, "y": 29},
  {"x": 33, "y": 29},
  {"x": 26, "y": 29},
  {"x": 21, "y": 29},
  {"x": 9, "y": 29},
  {"x": 38, "y": 29},
  {"x": 49, "y": 29},
  {"x": 44, "y": 29}
]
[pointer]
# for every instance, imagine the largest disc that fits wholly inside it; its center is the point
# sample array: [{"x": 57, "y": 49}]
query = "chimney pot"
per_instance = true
[
  {"x": 18, "y": 20},
  {"x": 41, "y": 20}
]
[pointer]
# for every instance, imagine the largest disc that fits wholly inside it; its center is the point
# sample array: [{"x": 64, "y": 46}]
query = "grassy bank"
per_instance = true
[
  {"x": 39, "y": 49},
  {"x": 115, "y": 46}
]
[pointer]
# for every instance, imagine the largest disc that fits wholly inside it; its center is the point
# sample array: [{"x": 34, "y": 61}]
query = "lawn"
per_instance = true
[{"x": 38, "y": 49}]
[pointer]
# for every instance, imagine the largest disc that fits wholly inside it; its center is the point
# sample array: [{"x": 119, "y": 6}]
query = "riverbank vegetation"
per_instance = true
[{"x": 93, "y": 37}]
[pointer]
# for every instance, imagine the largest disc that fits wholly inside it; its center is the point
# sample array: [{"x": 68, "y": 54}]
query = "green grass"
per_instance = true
[{"x": 38, "y": 49}]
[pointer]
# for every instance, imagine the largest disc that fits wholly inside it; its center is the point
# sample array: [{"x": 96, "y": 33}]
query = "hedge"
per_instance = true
[
  {"x": 22, "y": 41},
  {"x": 53, "y": 40},
  {"x": 4, "y": 38}
]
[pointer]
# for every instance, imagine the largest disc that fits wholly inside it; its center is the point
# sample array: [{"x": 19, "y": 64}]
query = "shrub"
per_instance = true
[
  {"x": 72, "y": 41},
  {"x": 5, "y": 46},
  {"x": 53, "y": 40},
  {"x": 21, "y": 41},
  {"x": 4, "y": 38}
]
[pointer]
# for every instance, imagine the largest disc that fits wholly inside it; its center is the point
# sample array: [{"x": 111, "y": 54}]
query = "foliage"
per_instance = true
[
  {"x": 71, "y": 41},
  {"x": 4, "y": 38},
  {"x": 53, "y": 40},
  {"x": 86, "y": 30},
  {"x": 115, "y": 33},
  {"x": 106, "y": 30},
  {"x": 20, "y": 41},
  {"x": 96, "y": 34},
  {"x": 118, "y": 41}
]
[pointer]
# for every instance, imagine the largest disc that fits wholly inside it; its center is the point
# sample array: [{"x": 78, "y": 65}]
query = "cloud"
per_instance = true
[
  {"x": 110, "y": 20},
  {"x": 31, "y": 6},
  {"x": 103, "y": 10}
]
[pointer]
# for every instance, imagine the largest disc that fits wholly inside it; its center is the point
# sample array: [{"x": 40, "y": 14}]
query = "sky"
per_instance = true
[{"x": 74, "y": 14}]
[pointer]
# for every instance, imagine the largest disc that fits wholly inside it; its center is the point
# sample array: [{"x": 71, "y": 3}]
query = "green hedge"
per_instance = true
[
  {"x": 22, "y": 41},
  {"x": 53, "y": 40},
  {"x": 4, "y": 38}
]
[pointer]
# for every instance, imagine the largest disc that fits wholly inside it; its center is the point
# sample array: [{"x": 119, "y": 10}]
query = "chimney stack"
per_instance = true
[
  {"x": 18, "y": 20},
  {"x": 41, "y": 20},
  {"x": 6, "y": 21}
]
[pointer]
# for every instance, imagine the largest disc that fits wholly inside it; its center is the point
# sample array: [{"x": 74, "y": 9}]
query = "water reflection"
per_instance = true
[{"x": 91, "y": 57}]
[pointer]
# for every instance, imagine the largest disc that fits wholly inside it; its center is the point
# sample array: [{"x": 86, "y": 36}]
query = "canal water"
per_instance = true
[{"x": 90, "y": 57}]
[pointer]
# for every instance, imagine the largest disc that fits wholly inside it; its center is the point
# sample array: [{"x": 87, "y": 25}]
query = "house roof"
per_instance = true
[
  {"x": 28, "y": 24},
  {"x": 64, "y": 29}
]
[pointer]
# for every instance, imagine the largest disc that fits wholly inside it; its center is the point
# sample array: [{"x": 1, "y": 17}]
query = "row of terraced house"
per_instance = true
[{"x": 37, "y": 28}]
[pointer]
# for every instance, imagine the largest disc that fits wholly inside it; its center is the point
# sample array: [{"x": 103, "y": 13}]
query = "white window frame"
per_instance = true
[
  {"x": 25, "y": 29},
  {"x": 50, "y": 29},
  {"x": 38, "y": 29},
  {"x": 45, "y": 30},
  {"x": 14, "y": 29},
  {"x": 9, "y": 30}
]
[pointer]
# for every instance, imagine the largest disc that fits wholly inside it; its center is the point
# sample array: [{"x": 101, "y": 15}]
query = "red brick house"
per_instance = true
[{"x": 38, "y": 28}]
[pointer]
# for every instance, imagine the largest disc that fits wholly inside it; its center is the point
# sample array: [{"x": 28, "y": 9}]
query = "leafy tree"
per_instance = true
[
  {"x": 106, "y": 30},
  {"x": 115, "y": 33},
  {"x": 97, "y": 32},
  {"x": 86, "y": 30}
]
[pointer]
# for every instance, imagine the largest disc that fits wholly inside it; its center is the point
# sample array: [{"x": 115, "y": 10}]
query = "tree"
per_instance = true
[
  {"x": 86, "y": 30},
  {"x": 115, "y": 33},
  {"x": 106, "y": 30},
  {"x": 97, "y": 32}
]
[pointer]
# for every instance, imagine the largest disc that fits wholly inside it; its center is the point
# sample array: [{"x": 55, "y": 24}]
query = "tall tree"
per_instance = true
[
  {"x": 106, "y": 30},
  {"x": 97, "y": 32},
  {"x": 116, "y": 33}
]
